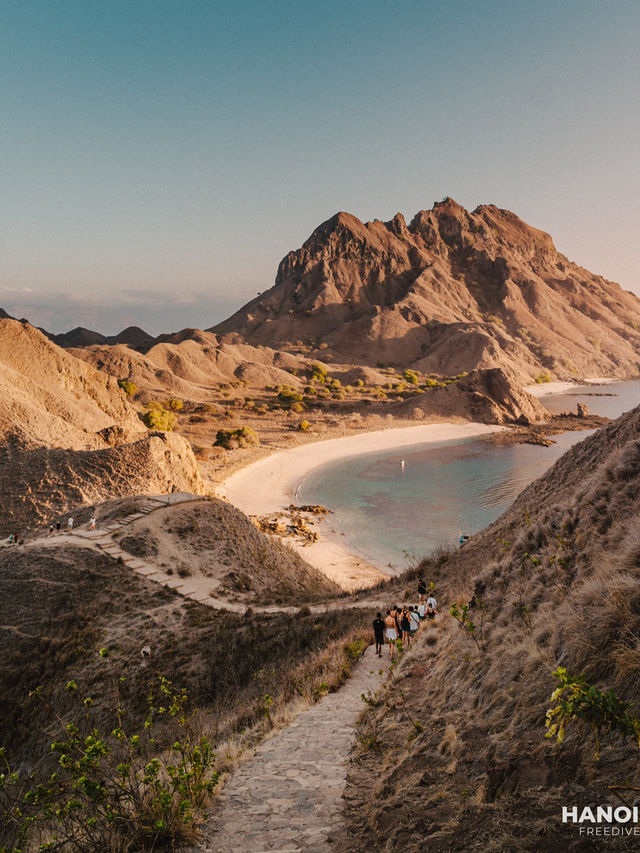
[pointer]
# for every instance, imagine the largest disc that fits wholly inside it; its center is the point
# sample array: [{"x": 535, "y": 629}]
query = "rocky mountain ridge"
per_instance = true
[{"x": 451, "y": 291}]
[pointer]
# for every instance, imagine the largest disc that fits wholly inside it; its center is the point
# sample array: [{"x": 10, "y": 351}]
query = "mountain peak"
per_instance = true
[{"x": 452, "y": 292}]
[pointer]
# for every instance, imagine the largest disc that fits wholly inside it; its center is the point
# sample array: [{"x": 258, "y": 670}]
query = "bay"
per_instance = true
[{"x": 393, "y": 513}]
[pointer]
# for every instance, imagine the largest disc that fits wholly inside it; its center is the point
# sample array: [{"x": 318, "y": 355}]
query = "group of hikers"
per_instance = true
[
  {"x": 56, "y": 528},
  {"x": 401, "y": 624}
]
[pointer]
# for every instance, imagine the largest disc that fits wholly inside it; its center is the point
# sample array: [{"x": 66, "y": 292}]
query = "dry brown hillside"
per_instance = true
[
  {"x": 221, "y": 551},
  {"x": 69, "y": 436},
  {"x": 189, "y": 363},
  {"x": 49, "y": 397},
  {"x": 451, "y": 291},
  {"x": 40, "y": 484},
  {"x": 60, "y": 606},
  {"x": 455, "y": 758}
]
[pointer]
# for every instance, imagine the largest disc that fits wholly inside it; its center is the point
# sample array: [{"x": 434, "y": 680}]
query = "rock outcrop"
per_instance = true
[
  {"x": 37, "y": 484},
  {"x": 492, "y": 396}
]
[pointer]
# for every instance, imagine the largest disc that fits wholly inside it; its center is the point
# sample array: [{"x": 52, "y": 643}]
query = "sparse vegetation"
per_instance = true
[
  {"x": 114, "y": 788},
  {"x": 575, "y": 700},
  {"x": 129, "y": 388},
  {"x": 234, "y": 438},
  {"x": 158, "y": 418}
]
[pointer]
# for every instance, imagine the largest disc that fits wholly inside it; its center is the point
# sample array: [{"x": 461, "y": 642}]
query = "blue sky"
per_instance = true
[{"x": 157, "y": 159}]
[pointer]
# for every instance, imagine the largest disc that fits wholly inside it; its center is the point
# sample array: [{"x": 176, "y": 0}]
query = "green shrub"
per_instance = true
[
  {"x": 543, "y": 377},
  {"x": 159, "y": 419},
  {"x": 174, "y": 404},
  {"x": 304, "y": 425},
  {"x": 232, "y": 438},
  {"x": 319, "y": 372},
  {"x": 410, "y": 376},
  {"x": 576, "y": 699},
  {"x": 287, "y": 397},
  {"x": 128, "y": 387},
  {"x": 114, "y": 789}
]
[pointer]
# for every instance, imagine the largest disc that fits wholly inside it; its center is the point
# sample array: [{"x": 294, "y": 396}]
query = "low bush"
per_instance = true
[
  {"x": 159, "y": 419},
  {"x": 113, "y": 789},
  {"x": 234, "y": 438},
  {"x": 129, "y": 388}
]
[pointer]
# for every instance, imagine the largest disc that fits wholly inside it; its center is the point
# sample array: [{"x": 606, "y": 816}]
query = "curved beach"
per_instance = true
[{"x": 270, "y": 485}]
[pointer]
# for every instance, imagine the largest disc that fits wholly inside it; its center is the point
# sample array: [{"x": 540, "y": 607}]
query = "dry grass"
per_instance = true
[{"x": 558, "y": 581}]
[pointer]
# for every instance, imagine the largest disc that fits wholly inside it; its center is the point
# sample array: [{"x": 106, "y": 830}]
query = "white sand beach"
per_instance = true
[
  {"x": 543, "y": 389},
  {"x": 270, "y": 485}
]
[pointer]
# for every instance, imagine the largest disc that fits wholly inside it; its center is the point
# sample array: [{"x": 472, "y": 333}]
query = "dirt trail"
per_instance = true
[
  {"x": 289, "y": 796},
  {"x": 103, "y": 540}
]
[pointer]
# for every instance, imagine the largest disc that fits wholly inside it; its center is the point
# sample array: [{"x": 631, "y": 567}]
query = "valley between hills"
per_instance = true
[{"x": 439, "y": 324}]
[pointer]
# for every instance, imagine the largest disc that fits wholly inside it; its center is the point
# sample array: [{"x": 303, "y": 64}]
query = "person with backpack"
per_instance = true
[{"x": 414, "y": 621}]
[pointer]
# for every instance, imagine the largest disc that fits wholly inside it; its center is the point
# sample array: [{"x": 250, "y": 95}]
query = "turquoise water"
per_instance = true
[{"x": 393, "y": 513}]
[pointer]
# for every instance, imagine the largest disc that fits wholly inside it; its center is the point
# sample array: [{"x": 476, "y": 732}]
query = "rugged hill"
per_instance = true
[
  {"x": 190, "y": 362},
  {"x": 48, "y": 397},
  {"x": 452, "y": 291},
  {"x": 40, "y": 484},
  {"x": 69, "y": 436},
  {"x": 456, "y": 756},
  {"x": 81, "y": 337},
  {"x": 490, "y": 396},
  {"x": 216, "y": 543}
]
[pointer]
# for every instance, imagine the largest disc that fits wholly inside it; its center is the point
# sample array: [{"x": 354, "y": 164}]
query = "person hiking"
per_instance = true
[
  {"x": 70, "y": 524},
  {"x": 431, "y": 602},
  {"x": 391, "y": 633},
  {"x": 422, "y": 587},
  {"x": 414, "y": 621},
  {"x": 58, "y": 525},
  {"x": 405, "y": 626},
  {"x": 92, "y": 522},
  {"x": 431, "y": 613},
  {"x": 396, "y": 613},
  {"x": 378, "y": 631}
]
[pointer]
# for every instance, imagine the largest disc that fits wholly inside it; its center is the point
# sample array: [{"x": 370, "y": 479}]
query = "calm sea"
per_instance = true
[{"x": 393, "y": 513}]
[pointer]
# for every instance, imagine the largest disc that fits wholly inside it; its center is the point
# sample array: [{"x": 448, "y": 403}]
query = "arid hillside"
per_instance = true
[
  {"x": 70, "y": 436},
  {"x": 60, "y": 606},
  {"x": 219, "y": 549},
  {"x": 50, "y": 398},
  {"x": 451, "y": 291},
  {"x": 190, "y": 363},
  {"x": 454, "y": 757}
]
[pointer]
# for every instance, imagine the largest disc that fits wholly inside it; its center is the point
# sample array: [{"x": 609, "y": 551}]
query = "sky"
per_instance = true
[{"x": 159, "y": 158}]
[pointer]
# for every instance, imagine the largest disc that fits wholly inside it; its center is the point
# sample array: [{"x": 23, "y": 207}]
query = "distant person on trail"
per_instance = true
[
  {"x": 422, "y": 587},
  {"x": 414, "y": 621},
  {"x": 70, "y": 524},
  {"x": 92, "y": 522},
  {"x": 378, "y": 630},
  {"x": 405, "y": 625},
  {"x": 58, "y": 527},
  {"x": 391, "y": 632},
  {"x": 431, "y": 602},
  {"x": 51, "y": 530},
  {"x": 431, "y": 612},
  {"x": 422, "y": 610}
]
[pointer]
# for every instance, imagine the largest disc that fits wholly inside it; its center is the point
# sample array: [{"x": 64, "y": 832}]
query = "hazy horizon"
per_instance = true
[{"x": 161, "y": 158}]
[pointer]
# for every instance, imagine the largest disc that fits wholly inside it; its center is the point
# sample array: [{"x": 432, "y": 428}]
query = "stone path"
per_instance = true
[
  {"x": 102, "y": 539},
  {"x": 288, "y": 797}
]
